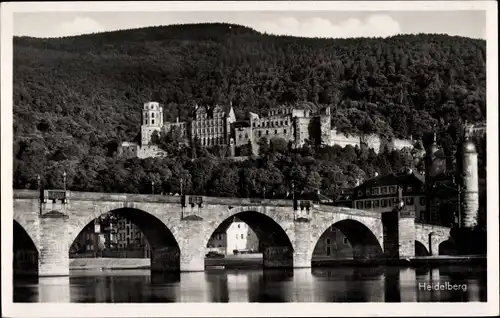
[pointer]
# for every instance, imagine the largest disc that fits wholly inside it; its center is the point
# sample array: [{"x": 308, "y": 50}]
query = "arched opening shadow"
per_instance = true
[
  {"x": 249, "y": 239},
  {"x": 420, "y": 249},
  {"x": 25, "y": 253},
  {"x": 117, "y": 239},
  {"x": 346, "y": 239},
  {"x": 447, "y": 248}
]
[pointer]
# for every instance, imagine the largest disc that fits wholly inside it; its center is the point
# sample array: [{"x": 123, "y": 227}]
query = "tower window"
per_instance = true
[
  {"x": 145, "y": 121},
  {"x": 152, "y": 121},
  {"x": 276, "y": 132},
  {"x": 328, "y": 240},
  {"x": 267, "y": 132},
  {"x": 152, "y": 115},
  {"x": 346, "y": 240},
  {"x": 284, "y": 131}
]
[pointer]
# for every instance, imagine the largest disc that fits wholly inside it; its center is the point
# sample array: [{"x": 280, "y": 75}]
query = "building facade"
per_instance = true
[
  {"x": 381, "y": 193},
  {"x": 333, "y": 244},
  {"x": 111, "y": 236},
  {"x": 238, "y": 236}
]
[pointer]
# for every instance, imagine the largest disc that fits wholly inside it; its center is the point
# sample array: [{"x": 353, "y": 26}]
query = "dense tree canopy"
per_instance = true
[{"x": 77, "y": 98}]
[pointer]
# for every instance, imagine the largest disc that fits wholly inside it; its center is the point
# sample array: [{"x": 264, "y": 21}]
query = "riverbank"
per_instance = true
[
  {"x": 109, "y": 263},
  {"x": 255, "y": 261}
]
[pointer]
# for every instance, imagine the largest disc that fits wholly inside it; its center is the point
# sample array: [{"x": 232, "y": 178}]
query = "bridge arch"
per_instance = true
[
  {"x": 273, "y": 234},
  {"x": 363, "y": 239},
  {"x": 31, "y": 228},
  {"x": 25, "y": 252},
  {"x": 421, "y": 249},
  {"x": 447, "y": 247},
  {"x": 165, "y": 250}
]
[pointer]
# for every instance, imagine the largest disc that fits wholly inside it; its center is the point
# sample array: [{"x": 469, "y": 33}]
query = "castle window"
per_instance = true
[
  {"x": 376, "y": 203},
  {"x": 267, "y": 132},
  {"x": 346, "y": 241},
  {"x": 375, "y": 191},
  {"x": 284, "y": 131},
  {"x": 368, "y": 204},
  {"x": 281, "y": 123},
  {"x": 409, "y": 201},
  {"x": 392, "y": 189},
  {"x": 383, "y": 203},
  {"x": 254, "y": 125},
  {"x": 409, "y": 188},
  {"x": 145, "y": 121},
  {"x": 152, "y": 115},
  {"x": 276, "y": 123},
  {"x": 276, "y": 132},
  {"x": 260, "y": 133},
  {"x": 152, "y": 121},
  {"x": 383, "y": 190},
  {"x": 359, "y": 205},
  {"x": 241, "y": 235},
  {"x": 328, "y": 241}
]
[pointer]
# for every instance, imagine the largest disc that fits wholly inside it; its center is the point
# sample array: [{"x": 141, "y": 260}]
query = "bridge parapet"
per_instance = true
[{"x": 348, "y": 211}]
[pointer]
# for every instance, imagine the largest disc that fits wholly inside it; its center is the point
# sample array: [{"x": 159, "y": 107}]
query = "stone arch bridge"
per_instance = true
[{"x": 178, "y": 228}]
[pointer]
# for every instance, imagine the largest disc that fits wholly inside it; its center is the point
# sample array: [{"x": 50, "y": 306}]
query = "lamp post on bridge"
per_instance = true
[
  {"x": 152, "y": 187},
  {"x": 181, "y": 182},
  {"x": 39, "y": 187}
]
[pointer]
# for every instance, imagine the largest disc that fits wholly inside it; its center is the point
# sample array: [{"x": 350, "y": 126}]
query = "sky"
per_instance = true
[{"x": 320, "y": 23}]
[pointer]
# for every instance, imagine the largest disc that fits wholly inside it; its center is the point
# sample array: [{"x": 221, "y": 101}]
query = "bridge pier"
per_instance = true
[
  {"x": 302, "y": 254},
  {"x": 54, "y": 246}
]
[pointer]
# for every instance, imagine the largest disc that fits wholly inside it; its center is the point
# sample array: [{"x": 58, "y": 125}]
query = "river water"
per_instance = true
[{"x": 454, "y": 283}]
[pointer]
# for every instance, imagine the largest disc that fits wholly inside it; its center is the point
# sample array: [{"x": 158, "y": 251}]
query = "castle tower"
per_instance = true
[
  {"x": 325, "y": 127},
  {"x": 152, "y": 120},
  {"x": 470, "y": 182}
]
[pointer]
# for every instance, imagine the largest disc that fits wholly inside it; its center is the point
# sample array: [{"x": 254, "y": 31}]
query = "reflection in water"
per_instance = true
[{"x": 339, "y": 284}]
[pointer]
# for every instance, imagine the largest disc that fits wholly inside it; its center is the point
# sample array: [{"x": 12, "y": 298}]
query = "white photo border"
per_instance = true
[{"x": 11, "y": 309}]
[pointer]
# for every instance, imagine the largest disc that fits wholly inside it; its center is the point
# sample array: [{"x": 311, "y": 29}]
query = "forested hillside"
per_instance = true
[{"x": 75, "y": 98}]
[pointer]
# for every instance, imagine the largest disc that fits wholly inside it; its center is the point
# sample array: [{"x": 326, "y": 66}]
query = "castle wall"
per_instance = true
[
  {"x": 325, "y": 129},
  {"x": 301, "y": 130},
  {"x": 242, "y": 135},
  {"x": 399, "y": 144},
  {"x": 274, "y": 126},
  {"x": 150, "y": 151},
  {"x": 343, "y": 140},
  {"x": 372, "y": 141}
]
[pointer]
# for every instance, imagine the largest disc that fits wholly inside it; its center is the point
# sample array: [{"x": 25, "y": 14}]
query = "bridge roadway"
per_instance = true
[{"x": 178, "y": 235}]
